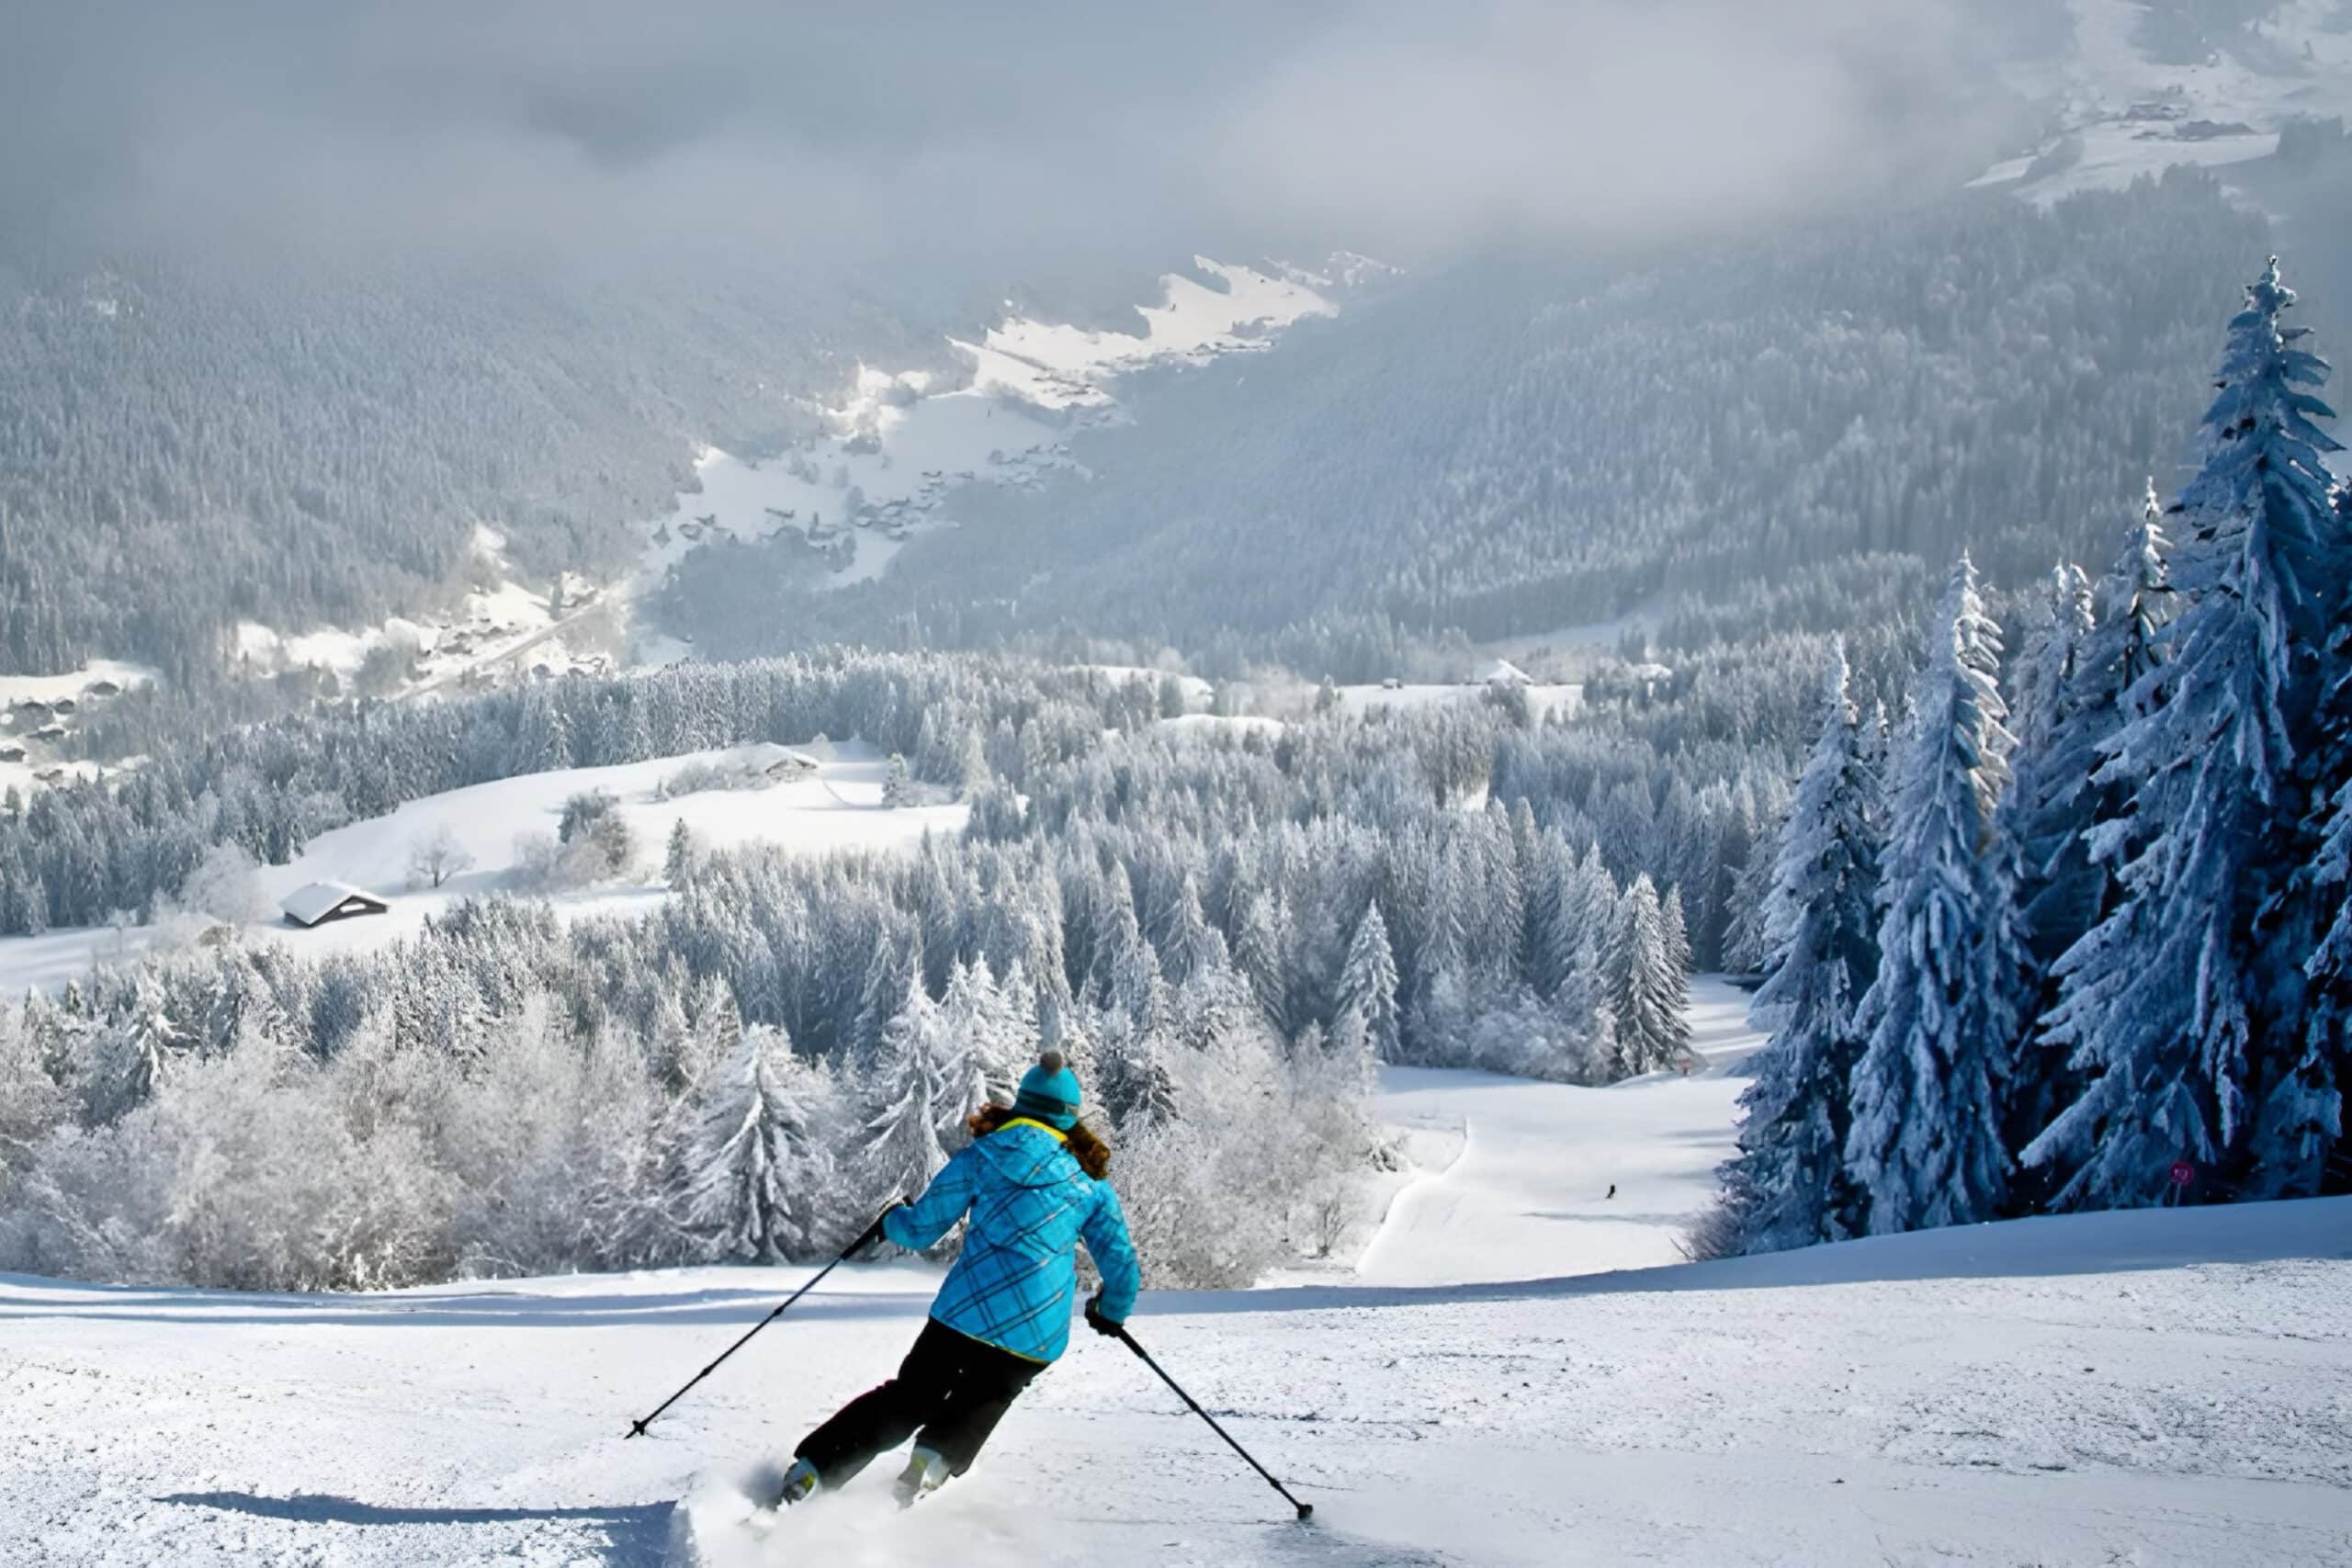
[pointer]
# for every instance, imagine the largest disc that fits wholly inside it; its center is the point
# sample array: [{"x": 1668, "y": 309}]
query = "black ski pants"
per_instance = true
[{"x": 950, "y": 1392}]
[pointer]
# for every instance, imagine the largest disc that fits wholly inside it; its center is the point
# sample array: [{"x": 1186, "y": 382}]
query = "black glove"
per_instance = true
[
  {"x": 1110, "y": 1328},
  {"x": 874, "y": 1231}
]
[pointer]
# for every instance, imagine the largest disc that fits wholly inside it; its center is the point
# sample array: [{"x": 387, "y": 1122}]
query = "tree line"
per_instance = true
[
  {"x": 2083, "y": 945},
  {"x": 1225, "y": 933}
]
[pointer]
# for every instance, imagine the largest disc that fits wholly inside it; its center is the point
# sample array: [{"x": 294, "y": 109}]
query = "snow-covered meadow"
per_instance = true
[
  {"x": 2126, "y": 115},
  {"x": 836, "y": 805},
  {"x": 39, "y": 713},
  {"x": 2151, "y": 1387}
]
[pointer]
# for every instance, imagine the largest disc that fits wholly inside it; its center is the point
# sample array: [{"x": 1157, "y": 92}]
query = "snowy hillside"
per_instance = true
[
  {"x": 891, "y": 457},
  {"x": 900, "y": 448},
  {"x": 2142, "y": 1387},
  {"x": 1515, "y": 1170},
  {"x": 835, "y": 805},
  {"x": 2143, "y": 92},
  {"x": 40, "y": 714}
]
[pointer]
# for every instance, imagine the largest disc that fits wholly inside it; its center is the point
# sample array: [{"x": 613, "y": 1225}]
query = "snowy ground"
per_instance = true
[
  {"x": 837, "y": 806},
  {"x": 28, "y": 763},
  {"x": 2149, "y": 1388},
  {"x": 2126, "y": 115},
  {"x": 1513, "y": 1170},
  {"x": 1542, "y": 700}
]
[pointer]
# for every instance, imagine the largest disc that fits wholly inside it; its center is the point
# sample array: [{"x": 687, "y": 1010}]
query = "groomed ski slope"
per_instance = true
[{"x": 2145, "y": 1388}]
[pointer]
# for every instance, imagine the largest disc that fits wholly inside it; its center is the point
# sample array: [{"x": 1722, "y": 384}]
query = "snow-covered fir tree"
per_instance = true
[
  {"x": 984, "y": 1038},
  {"x": 2065, "y": 831},
  {"x": 1788, "y": 1186},
  {"x": 678, "y": 858},
  {"x": 1263, "y": 957},
  {"x": 757, "y": 1173},
  {"x": 2040, "y": 820},
  {"x": 1649, "y": 989},
  {"x": 1367, "y": 1015},
  {"x": 902, "y": 1149},
  {"x": 2305, "y": 1115},
  {"x": 2062, "y": 808},
  {"x": 2184, "y": 1008},
  {"x": 1926, "y": 1144}
]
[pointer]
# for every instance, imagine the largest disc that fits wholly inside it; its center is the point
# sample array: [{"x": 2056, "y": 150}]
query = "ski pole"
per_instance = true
[
  {"x": 871, "y": 1233},
  {"x": 1306, "y": 1510}
]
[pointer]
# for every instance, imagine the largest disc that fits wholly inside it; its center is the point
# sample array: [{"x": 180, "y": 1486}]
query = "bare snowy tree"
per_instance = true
[{"x": 437, "y": 856}]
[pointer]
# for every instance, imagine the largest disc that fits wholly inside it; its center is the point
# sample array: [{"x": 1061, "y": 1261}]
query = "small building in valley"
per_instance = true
[{"x": 324, "y": 901}]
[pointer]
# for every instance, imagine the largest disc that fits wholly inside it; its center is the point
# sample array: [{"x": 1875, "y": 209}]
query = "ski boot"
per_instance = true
[
  {"x": 800, "y": 1482},
  {"x": 772, "y": 1489},
  {"x": 926, "y": 1472}
]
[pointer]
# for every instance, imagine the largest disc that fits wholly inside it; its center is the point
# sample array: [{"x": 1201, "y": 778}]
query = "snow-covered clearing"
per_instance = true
[
  {"x": 1542, "y": 700},
  {"x": 1065, "y": 366},
  {"x": 503, "y": 627},
  {"x": 2125, "y": 115},
  {"x": 837, "y": 806},
  {"x": 2152, "y": 1387},
  {"x": 39, "y": 713},
  {"x": 1525, "y": 1170}
]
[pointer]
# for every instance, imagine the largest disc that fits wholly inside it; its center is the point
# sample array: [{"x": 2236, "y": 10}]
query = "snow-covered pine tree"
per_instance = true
[
  {"x": 898, "y": 788},
  {"x": 1191, "y": 946},
  {"x": 1367, "y": 1017},
  {"x": 2299, "y": 1124},
  {"x": 1677, "y": 928},
  {"x": 1787, "y": 1187},
  {"x": 1550, "y": 870},
  {"x": 978, "y": 1052},
  {"x": 1648, "y": 988},
  {"x": 902, "y": 1151},
  {"x": 678, "y": 860},
  {"x": 2036, "y": 833},
  {"x": 1581, "y": 942},
  {"x": 1133, "y": 1081},
  {"x": 2185, "y": 1007},
  {"x": 2072, "y": 888},
  {"x": 757, "y": 1173},
  {"x": 1259, "y": 954},
  {"x": 1925, "y": 1141},
  {"x": 2041, "y": 819},
  {"x": 2065, "y": 831}
]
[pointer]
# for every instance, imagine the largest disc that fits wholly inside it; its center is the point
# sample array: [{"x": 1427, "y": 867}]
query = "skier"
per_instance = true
[
  {"x": 1035, "y": 1181},
  {"x": 1612, "y": 1190}
]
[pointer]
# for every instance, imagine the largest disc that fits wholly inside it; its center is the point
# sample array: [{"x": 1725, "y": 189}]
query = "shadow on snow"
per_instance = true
[{"x": 634, "y": 1533}]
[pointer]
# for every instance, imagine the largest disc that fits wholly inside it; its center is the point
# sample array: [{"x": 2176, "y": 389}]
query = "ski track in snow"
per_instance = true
[{"x": 2145, "y": 1388}]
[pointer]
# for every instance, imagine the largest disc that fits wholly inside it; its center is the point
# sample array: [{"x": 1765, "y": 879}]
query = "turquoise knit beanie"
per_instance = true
[{"x": 1049, "y": 1093}]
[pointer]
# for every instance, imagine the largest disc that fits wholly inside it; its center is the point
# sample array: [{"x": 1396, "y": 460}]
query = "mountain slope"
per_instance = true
[
  {"x": 2152, "y": 1386},
  {"x": 1510, "y": 448}
]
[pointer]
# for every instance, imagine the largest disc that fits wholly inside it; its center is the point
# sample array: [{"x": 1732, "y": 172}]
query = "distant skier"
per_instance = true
[
  {"x": 1035, "y": 1181},
  {"x": 1612, "y": 1190}
]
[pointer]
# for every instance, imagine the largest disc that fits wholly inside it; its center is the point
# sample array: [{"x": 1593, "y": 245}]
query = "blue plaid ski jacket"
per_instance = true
[{"x": 1031, "y": 1204}]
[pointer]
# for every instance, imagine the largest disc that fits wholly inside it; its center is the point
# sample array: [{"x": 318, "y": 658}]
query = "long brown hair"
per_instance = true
[{"x": 1093, "y": 1155}]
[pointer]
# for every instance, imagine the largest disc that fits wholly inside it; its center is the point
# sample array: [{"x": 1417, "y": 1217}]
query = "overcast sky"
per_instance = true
[{"x": 977, "y": 128}]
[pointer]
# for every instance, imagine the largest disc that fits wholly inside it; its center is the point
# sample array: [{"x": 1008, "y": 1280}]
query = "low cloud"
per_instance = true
[{"x": 1024, "y": 137}]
